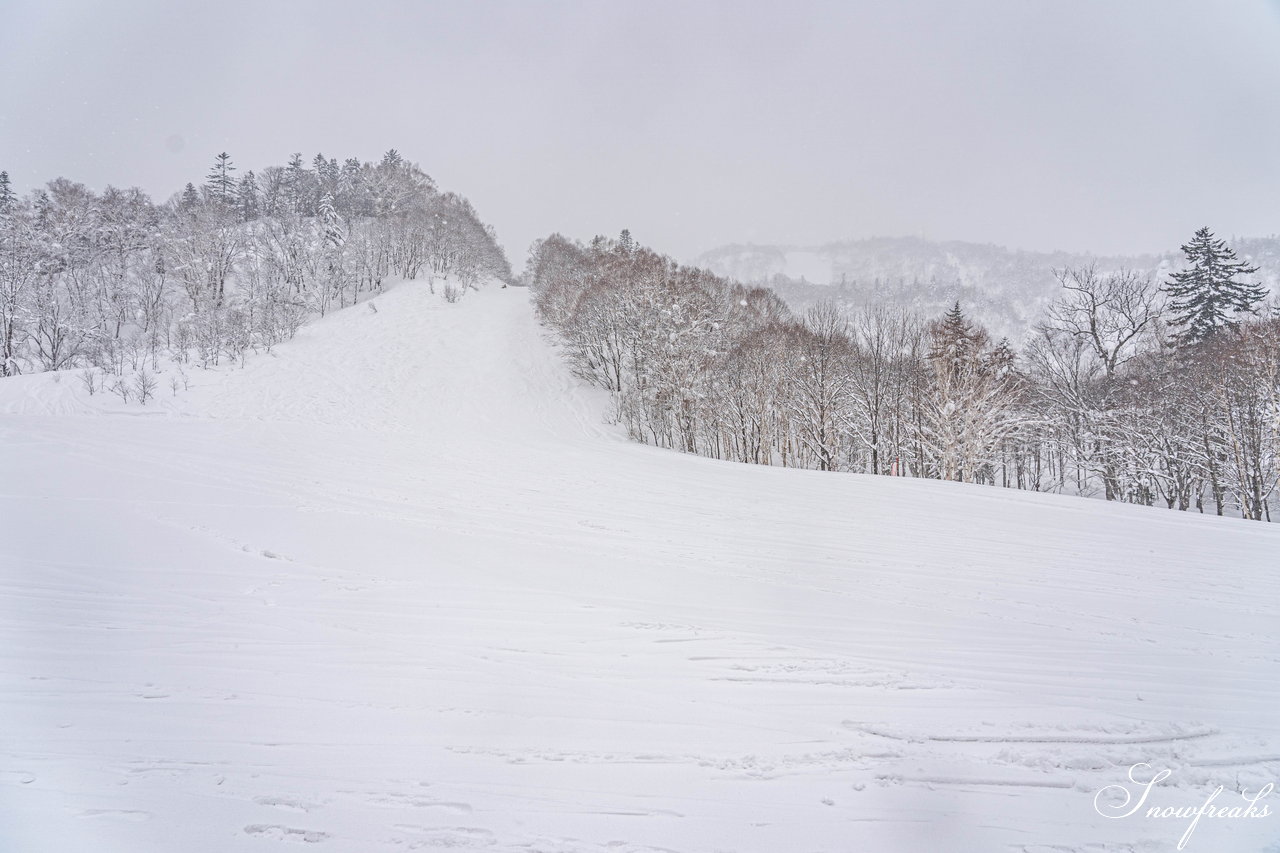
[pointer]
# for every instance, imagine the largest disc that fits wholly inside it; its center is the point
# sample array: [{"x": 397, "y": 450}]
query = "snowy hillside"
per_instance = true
[
  {"x": 1006, "y": 289},
  {"x": 397, "y": 585}
]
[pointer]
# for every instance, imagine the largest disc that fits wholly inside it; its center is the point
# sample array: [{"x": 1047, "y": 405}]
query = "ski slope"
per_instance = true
[{"x": 398, "y": 585}]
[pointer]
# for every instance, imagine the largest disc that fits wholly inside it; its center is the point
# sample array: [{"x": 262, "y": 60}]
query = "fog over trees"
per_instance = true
[
  {"x": 1007, "y": 290},
  {"x": 1131, "y": 388}
]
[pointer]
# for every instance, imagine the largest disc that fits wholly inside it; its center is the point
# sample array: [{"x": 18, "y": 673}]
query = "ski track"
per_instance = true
[{"x": 397, "y": 585}]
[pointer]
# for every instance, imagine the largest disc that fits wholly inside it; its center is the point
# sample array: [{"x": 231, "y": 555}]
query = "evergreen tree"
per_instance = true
[
  {"x": 953, "y": 339},
  {"x": 330, "y": 224},
  {"x": 7, "y": 195},
  {"x": 1206, "y": 297},
  {"x": 221, "y": 185},
  {"x": 247, "y": 197},
  {"x": 190, "y": 198},
  {"x": 353, "y": 198},
  {"x": 1002, "y": 358},
  {"x": 326, "y": 182},
  {"x": 297, "y": 181}
]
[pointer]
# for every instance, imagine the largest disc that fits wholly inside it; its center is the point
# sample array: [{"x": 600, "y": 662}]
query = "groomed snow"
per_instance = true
[{"x": 397, "y": 586}]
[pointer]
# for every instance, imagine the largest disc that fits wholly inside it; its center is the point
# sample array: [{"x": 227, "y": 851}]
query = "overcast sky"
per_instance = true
[{"x": 1110, "y": 126}]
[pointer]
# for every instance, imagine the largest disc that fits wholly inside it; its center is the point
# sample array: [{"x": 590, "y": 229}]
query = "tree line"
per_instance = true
[
  {"x": 1130, "y": 389},
  {"x": 113, "y": 280}
]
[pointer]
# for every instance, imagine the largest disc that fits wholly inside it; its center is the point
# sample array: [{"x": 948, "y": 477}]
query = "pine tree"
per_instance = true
[
  {"x": 1206, "y": 297},
  {"x": 953, "y": 340},
  {"x": 219, "y": 181},
  {"x": 297, "y": 182},
  {"x": 247, "y": 197},
  {"x": 7, "y": 195},
  {"x": 331, "y": 224},
  {"x": 326, "y": 182},
  {"x": 1002, "y": 358},
  {"x": 190, "y": 198},
  {"x": 353, "y": 197}
]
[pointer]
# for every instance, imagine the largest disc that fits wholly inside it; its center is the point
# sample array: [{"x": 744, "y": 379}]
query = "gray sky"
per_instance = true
[{"x": 1111, "y": 126}]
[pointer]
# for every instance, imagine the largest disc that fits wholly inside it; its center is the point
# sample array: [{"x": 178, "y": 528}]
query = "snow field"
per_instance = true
[{"x": 397, "y": 585}]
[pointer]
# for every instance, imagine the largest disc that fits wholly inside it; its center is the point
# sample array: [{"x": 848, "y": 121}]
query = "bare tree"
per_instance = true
[
  {"x": 144, "y": 385},
  {"x": 1111, "y": 312},
  {"x": 821, "y": 380}
]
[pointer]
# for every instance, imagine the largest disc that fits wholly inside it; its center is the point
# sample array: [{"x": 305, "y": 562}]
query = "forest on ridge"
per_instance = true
[{"x": 113, "y": 281}]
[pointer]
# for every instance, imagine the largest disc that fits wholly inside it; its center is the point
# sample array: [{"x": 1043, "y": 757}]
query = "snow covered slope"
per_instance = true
[{"x": 398, "y": 586}]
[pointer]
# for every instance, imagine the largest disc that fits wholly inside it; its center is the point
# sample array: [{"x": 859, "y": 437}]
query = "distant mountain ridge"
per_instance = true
[{"x": 1006, "y": 289}]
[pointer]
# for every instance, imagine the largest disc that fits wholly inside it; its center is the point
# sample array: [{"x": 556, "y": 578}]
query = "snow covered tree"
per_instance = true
[
  {"x": 332, "y": 239},
  {"x": 7, "y": 196},
  {"x": 298, "y": 187},
  {"x": 1206, "y": 296},
  {"x": 1098, "y": 324},
  {"x": 205, "y": 245},
  {"x": 821, "y": 379},
  {"x": 88, "y": 279},
  {"x": 884, "y": 340},
  {"x": 971, "y": 404},
  {"x": 326, "y": 175},
  {"x": 219, "y": 182},
  {"x": 1248, "y": 389},
  {"x": 954, "y": 341},
  {"x": 247, "y": 197},
  {"x": 751, "y": 384},
  {"x": 1110, "y": 313},
  {"x": 190, "y": 199},
  {"x": 352, "y": 197},
  {"x": 21, "y": 263}
]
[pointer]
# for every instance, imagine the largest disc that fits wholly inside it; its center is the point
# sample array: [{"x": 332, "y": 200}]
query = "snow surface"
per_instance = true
[{"x": 397, "y": 585}]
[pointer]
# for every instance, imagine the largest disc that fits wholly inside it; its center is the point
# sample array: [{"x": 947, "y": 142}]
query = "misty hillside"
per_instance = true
[{"x": 1004, "y": 288}]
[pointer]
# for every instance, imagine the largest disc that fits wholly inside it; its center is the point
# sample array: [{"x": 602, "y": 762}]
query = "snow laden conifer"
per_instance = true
[
  {"x": 298, "y": 183},
  {"x": 190, "y": 199},
  {"x": 247, "y": 197},
  {"x": 332, "y": 238},
  {"x": 970, "y": 404},
  {"x": 1207, "y": 296},
  {"x": 954, "y": 340},
  {"x": 7, "y": 196},
  {"x": 220, "y": 183}
]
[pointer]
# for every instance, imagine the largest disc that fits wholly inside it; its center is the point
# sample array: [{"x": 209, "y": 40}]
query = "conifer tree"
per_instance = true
[
  {"x": 7, "y": 196},
  {"x": 190, "y": 198},
  {"x": 1206, "y": 296},
  {"x": 353, "y": 199},
  {"x": 247, "y": 197},
  {"x": 221, "y": 184},
  {"x": 954, "y": 341},
  {"x": 297, "y": 181},
  {"x": 332, "y": 232}
]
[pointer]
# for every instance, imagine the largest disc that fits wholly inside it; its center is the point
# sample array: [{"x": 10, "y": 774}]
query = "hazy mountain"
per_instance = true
[{"x": 1005, "y": 288}]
